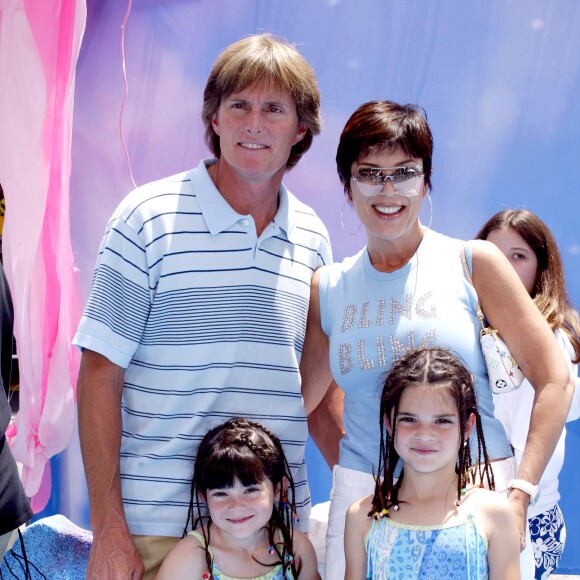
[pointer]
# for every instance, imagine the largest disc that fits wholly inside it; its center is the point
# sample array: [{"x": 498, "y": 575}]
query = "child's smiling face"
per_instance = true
[
  {"x": 241, "y": 511},
  {"x": 427, "y": 434}
]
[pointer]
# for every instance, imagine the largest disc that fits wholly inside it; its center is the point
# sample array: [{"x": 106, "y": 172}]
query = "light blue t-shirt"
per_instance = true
[{"x": 372, "y": 318}]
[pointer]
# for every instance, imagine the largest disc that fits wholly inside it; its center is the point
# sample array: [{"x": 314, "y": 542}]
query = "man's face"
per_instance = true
[{"x": 257, "y": 128}]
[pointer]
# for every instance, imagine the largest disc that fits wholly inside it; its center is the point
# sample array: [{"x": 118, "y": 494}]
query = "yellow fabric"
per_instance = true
[{"x": 153, "y": 550}]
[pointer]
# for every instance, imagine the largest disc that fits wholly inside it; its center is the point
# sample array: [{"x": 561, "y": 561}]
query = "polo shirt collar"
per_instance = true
[
  {"x": 219, "y": 214},
  {"x": 285, "y": 217}
]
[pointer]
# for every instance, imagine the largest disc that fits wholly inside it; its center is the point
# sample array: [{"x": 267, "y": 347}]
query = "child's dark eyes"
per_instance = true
[
  {"x": 411, "y": 420},
  {"x": 405, "y": 419}
]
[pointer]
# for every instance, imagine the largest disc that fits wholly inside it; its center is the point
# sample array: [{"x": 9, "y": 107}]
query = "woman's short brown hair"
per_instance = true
[
  {"x": 384, "y": 125},
  {"x": 263, "y": 58}
]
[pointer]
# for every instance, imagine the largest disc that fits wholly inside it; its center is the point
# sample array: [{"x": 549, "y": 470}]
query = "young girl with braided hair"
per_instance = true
[
  {"x": 242, "y": 481},
  {"x": 435, "y": 518}
]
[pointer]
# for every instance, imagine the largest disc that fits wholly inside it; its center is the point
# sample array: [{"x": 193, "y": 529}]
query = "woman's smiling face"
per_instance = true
[{"x": 388, "y": 216}]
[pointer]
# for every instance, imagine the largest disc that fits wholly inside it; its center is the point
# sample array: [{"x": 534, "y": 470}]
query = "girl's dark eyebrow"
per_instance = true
[{"x": 444, "y": 415}]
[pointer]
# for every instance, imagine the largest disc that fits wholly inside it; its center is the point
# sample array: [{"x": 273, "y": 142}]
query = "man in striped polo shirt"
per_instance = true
[{"x": 198, "y": 309}]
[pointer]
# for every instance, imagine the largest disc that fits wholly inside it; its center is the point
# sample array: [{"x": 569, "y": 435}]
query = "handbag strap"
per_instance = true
[{"x": 467, "y": 273}]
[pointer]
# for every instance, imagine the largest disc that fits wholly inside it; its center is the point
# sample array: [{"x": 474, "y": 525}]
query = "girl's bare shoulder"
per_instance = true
[
  {"x": 489, "y": 500},
  {"x": 357, "y": 516},
  {"x": 187, "y": 559},
  {"x": 300, "y": 541},
  {"x": 361, "y": 506},
  {"x": 306, "y": 556},
  {"x": 491, "y": 508}
]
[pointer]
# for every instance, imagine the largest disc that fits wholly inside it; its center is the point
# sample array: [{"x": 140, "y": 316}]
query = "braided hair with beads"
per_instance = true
[
  {"x": 434, "y": 368},
  {"x": 249, "y": 452}
]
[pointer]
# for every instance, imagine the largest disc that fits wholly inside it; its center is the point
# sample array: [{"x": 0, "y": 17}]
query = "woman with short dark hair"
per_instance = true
[{"x": 407, "y": 289}]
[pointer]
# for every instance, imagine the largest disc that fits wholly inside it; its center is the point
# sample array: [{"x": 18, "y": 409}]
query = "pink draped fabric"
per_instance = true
[{"x": 39, "y": 47}]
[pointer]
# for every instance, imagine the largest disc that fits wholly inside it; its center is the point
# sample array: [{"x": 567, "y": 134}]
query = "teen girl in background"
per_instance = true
[{"x": 530, "y": 247}]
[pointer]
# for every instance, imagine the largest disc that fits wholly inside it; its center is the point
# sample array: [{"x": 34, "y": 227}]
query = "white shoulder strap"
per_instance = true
[{"x": 468, "y": 277}]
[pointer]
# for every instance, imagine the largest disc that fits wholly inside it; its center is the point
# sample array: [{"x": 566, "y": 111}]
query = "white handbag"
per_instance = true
[{"x": 504, "y": 372}]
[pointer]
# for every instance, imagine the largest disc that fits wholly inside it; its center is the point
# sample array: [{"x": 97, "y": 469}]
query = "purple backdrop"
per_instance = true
[{"x": 499, "y": 81}]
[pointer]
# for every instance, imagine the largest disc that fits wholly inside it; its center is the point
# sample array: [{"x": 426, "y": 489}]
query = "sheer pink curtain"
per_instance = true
[{"x": 39, "y": 47}]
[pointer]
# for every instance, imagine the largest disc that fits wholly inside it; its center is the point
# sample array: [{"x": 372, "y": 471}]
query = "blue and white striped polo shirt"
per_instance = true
[{"x": 208, "y": 320}]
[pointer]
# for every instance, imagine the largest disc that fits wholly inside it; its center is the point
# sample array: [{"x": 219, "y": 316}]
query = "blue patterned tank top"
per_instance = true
[{"x": 399, "y": 551}]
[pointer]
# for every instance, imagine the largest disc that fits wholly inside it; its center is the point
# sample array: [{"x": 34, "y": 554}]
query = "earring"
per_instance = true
[
  {"x": 430, "y": 211},
  {"x": 342, "y": 221}
]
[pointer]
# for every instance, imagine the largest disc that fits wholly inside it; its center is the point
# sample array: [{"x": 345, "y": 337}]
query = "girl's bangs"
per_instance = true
[{"x": 227, "y": 465}]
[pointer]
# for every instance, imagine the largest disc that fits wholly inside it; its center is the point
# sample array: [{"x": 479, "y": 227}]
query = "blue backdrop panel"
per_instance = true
[{"x": 570, "y": 504}]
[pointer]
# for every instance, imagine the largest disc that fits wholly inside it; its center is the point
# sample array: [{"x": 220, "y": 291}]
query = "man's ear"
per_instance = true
[
  {"x": 215, "y": 123},
  {"x": 299, "y": 134}
]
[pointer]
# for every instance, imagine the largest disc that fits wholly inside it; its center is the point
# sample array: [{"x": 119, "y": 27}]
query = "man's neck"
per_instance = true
[{"x": 258, "y": 199}]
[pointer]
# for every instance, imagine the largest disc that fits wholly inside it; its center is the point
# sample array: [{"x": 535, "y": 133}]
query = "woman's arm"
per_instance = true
[
  {"x": 501, "y": 526},
  {"x": 355, "y": 532},
  {"x": 304, "y": 552},
  {"x": 511, "y": 311}
]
